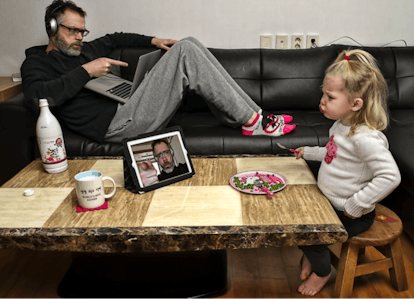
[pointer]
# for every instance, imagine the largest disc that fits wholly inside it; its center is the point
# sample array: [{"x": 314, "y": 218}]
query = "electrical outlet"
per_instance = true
[
  {"x": 312, "y": 41},
  {"x": 297, "y": 41},
  {"x": 281, "y": 41},
  {"x": 266, "y": 41}
]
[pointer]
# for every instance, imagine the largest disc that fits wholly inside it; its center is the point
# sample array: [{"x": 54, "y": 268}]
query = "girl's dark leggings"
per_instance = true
[{"x": 319, "y": 255}]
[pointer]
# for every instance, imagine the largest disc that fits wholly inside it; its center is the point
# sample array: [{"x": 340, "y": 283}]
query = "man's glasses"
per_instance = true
[
  {"x": 75, "y": 31},
  {"x": 162, "y": 154}
]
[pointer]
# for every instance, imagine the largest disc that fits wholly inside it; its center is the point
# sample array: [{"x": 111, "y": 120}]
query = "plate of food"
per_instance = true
[{"x": 258, "y": 182}]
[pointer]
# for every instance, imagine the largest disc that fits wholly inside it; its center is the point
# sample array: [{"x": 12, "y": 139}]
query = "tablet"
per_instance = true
[{"x": 158, "y": 159}]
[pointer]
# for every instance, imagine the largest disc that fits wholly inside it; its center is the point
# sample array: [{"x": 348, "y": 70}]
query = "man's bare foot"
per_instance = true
[
  {"x": 313, "y": 285},
  {"x": 306, "y": 268}
]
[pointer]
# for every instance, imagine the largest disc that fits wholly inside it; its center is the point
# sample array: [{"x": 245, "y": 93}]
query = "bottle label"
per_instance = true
[{"x": 52, "y": 150}]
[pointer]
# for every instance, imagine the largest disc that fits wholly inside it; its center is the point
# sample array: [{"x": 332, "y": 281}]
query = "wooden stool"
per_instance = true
[{"x": 385, "y": 238}]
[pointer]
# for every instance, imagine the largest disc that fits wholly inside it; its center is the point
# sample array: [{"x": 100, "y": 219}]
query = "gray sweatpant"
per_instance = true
[{"x": 187, "y": 65}]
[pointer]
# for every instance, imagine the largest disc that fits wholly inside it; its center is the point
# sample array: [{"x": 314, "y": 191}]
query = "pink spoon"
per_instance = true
[{"x": 284, "y": 147}]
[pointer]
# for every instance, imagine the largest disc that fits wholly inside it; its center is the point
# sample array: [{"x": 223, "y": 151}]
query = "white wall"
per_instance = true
[{"x": 217, "y": 23}]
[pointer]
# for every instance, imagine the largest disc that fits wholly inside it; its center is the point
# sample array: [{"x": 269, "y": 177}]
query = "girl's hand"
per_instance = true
[
  {"x": 349, "y": 216},
  {"x": 299, "y": 152}
]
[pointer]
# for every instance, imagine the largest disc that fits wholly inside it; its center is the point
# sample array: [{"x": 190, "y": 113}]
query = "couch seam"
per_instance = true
[
  {"x": 261, "y": 77},
  {"x": 396, "y": 81}
]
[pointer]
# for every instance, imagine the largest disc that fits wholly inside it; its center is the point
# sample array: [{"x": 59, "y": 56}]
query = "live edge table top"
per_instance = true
[{"x": 200, "y": 213}]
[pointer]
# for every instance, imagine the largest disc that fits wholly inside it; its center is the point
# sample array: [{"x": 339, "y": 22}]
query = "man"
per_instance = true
[
  {"x": 59, "y": 71},
  {"x": 164, "y": 156}
]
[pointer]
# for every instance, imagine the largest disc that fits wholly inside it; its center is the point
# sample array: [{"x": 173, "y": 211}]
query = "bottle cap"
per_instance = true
[
  {"x": 43, "y": 103},
  {"x": 28, "y": 192}
]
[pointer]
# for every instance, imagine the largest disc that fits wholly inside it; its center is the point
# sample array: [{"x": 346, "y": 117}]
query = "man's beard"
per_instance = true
[
  {"x": 169, "y": 169},
  {"x": 67, "y": 49}
]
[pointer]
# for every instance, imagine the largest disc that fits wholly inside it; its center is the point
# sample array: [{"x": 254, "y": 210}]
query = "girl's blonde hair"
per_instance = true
[{"x": 363, "y": 79}]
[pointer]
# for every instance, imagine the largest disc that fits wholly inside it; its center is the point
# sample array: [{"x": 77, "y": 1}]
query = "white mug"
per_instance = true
[{"x": 90, "y": 190}]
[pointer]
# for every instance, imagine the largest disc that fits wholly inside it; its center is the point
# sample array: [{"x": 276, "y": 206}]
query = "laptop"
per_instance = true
[{"x": 121, "y": 89}]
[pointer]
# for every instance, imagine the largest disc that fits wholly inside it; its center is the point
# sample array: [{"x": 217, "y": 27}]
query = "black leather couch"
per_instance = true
[{"x": 287, "y": 81}]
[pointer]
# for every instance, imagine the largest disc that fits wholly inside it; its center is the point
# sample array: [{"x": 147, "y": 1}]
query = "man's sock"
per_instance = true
[
  {"x": 283, "y": 117},
  {"x": 270, "y": 125}
]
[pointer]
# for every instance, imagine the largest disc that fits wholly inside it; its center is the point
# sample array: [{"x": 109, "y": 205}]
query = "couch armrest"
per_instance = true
[{"x": 17, "y": 136}]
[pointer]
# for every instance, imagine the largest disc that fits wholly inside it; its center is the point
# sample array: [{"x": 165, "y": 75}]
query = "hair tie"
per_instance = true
[{"x": 346, "y": 57}]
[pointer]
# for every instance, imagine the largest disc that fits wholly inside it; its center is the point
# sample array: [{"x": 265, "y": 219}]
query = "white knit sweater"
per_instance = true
[{"x": 356, "y": 172}]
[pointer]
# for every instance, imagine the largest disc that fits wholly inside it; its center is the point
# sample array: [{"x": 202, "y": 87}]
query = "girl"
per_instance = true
[{"x": 357, "y": 169}]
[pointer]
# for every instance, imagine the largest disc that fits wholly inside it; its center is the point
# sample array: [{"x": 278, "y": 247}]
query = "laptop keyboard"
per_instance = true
[{"x": 122, "y": 90}]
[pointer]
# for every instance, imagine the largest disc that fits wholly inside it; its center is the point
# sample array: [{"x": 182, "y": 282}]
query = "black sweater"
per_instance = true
[
  {"x": 180, "y": 169},
  {"x": 60, "y": 79}
]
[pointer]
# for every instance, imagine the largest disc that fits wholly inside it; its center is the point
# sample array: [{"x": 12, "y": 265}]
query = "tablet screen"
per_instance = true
[{"x": 158, "y": 159}]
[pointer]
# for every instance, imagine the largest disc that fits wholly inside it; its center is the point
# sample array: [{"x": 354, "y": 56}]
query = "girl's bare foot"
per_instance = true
[
  {"x": 313, "y": 285},
  {"x": 306, "y": 268}
]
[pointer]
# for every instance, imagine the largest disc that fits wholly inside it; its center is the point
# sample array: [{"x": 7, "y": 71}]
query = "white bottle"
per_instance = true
[{"x": 50, "y": 140}]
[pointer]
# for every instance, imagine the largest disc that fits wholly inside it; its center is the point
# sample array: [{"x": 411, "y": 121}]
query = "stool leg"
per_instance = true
[
  {"x": 397, "y": 274},
  {"x": 346, "y": 271}
]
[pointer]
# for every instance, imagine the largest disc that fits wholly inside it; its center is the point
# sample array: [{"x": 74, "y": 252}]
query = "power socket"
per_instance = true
[
  {"x": 297, "y": 41},
  {"x": 266, "y": 41},
  {"x": 312, "y": 41},
  {"x": 282, "y": 42}
]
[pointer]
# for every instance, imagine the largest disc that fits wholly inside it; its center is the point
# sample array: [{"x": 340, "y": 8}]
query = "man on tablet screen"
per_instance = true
[{"x": 164, "y": 154}]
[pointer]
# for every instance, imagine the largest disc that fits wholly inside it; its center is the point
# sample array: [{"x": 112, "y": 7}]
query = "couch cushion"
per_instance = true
[
  {"x": 80, "y": 146},
  {"x": 295, "y": 76},
  {"x": 404, "y": 60},
  {"x": 400, "y": 134}
]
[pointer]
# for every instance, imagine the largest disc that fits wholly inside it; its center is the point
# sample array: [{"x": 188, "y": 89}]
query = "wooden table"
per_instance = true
[
  {"x": 8, "y": 88},
  {"x": 201, "y": 213},
  {"x": 185, "y": 226}
]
